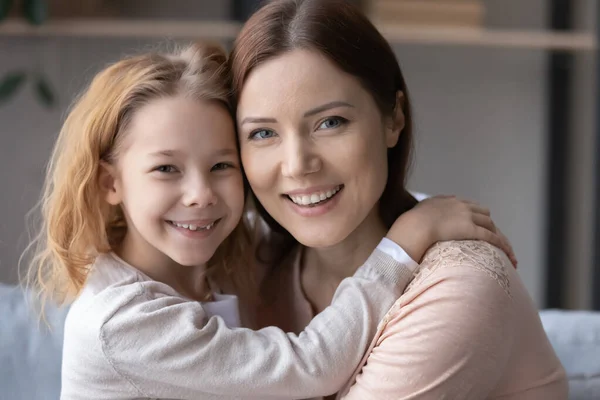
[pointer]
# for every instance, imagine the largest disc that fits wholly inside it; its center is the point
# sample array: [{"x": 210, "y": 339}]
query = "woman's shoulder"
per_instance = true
[
  {"x": 457, "y": 279},
  {"x": 464, "y": 257}
]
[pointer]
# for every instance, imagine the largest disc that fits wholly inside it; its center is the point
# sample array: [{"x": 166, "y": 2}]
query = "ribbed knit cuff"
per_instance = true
[{"x": 387, "y": 268}]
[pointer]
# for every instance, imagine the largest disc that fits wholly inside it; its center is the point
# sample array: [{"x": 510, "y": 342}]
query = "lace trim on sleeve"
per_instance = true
[{"x": 476, "y": 254}]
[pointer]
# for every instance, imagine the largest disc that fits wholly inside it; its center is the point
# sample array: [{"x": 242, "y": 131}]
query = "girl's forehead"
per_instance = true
[{"x": 180, "y": 125}]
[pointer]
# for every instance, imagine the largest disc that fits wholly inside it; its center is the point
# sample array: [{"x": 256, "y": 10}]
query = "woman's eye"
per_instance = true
[
  {"x": 332, "y": 122},
  {"x": 166, "y": 169},
  {"x": 262, "y": 134},
  {"x": 221, "y": 166}
]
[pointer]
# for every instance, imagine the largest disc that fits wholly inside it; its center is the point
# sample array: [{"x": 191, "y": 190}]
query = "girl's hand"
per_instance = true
[{"x": 442, "y": 218}]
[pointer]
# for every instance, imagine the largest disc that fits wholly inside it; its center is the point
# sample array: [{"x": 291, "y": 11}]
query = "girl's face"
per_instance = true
[
  {"x": 314, "y": 147},
  {"x": 178, "y": 180}
]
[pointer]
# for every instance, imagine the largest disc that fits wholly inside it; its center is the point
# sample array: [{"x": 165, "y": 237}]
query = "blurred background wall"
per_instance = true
[{"x": 481, "y": 127}]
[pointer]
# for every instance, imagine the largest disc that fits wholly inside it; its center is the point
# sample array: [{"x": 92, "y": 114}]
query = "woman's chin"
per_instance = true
[{"x": 321, "y": 239}]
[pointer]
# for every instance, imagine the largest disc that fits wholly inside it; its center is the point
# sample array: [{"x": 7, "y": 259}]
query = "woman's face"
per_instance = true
[{"x": 314, "y": 146}]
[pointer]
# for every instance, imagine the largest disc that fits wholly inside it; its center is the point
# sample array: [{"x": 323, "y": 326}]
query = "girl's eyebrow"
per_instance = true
[
  {"x": 170, "y": 153},
  {"x": 226, "y": 152}
]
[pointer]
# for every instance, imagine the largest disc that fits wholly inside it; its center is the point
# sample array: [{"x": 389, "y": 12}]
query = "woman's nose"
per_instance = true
[{"x": 300, "y": 159}]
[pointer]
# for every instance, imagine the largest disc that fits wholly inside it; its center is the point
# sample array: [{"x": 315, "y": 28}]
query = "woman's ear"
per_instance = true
[
  {"x": 109, "y": 183},
  {"x": 397, "y": 121}
]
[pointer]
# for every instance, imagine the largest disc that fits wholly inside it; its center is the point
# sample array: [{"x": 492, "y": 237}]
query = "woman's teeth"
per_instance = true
[
  {"x": 314, "y": 198},
  {"x": 194, "y": 227}
]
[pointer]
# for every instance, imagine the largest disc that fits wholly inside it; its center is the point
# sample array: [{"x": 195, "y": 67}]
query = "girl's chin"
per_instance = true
[{"x": 192, "y": 260}]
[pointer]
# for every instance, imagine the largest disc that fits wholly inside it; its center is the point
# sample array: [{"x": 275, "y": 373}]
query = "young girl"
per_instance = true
[{"x": 142, "y": 209}]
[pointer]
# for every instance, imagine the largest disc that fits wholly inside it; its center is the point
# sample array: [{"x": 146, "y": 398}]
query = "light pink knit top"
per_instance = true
[{"x": 465, "y": 328}]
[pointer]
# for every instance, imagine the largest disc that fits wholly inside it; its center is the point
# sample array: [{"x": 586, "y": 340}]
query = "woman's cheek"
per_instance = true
[{"x": 258, "y": 166}]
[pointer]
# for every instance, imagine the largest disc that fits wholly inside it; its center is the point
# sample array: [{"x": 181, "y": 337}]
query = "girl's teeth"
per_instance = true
[
  {"x": 314, "y": 198},
  {"x": 193, "y": 227}
]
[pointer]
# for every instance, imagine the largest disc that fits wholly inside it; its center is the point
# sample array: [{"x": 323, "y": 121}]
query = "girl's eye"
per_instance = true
[
  {"x": 166, "y": 169},
  {"x": 221, "y": 166},
  {"x": 262, "y": 134},
  {"x": 332, "y": 122}
]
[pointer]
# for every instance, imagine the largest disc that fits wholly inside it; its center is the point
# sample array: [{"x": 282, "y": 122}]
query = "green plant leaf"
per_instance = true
[
  {"x": 5, "y": 6},
  {"x": 10, "y": 84},
  {"x": 44, "y": 92},
  {"x": 36, "y": 11}
]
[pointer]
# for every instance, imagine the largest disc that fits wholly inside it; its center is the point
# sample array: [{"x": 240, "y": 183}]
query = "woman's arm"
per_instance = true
[{"x": 450, "y": 334}]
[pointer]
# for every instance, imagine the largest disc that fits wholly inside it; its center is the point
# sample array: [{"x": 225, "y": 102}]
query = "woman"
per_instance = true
[{"x": 325, "y": 135}]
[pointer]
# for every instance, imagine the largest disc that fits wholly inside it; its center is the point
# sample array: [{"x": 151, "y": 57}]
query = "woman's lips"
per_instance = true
[{"x": 311, "y": 205}]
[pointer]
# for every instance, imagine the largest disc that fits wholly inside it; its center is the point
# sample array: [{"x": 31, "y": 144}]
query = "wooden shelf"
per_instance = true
[
  {"x": 123, "y": 28},
  {"x": 548, "y": 40},
  {"x": 396, "y": 34}
]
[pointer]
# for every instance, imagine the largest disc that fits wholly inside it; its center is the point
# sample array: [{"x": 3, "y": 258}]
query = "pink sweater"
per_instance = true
[{"x": 465, "y": 328}]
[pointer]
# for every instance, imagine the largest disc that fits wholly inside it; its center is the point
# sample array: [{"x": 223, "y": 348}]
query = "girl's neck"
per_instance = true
[{"x": 189, "y": 281}]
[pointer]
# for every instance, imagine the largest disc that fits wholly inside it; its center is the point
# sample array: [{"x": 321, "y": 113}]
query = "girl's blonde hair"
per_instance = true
[{"x": 77, "y": 224}]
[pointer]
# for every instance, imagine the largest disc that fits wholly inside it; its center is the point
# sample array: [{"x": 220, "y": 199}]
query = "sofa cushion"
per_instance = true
[
  {"x": 30, "y": 349},
  {"x": 575, "y": 336}
]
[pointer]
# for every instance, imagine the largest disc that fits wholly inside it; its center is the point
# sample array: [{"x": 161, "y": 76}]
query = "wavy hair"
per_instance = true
[{"x": 76, "y": 223}]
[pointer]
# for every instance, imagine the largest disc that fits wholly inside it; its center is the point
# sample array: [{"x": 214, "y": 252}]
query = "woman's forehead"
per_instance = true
[{"x": 299, "y": 79}]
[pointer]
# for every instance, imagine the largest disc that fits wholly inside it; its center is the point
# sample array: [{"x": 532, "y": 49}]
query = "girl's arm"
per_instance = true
[
  {"x": 450, "y": 335},
  {"x": 167, "y": 348}
]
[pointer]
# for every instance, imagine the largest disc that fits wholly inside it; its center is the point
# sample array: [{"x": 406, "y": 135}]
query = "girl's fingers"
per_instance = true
[
  {"x": 512, "y": 256},
  {"x": 484, "y": 221},
  {"x": 485, "y": 231},
  {"x": 490, "y": 237},
  {"x": 481, "y": 218},
  {"x": 497, "y": 240},
  {"x": 479, "y": 209}
]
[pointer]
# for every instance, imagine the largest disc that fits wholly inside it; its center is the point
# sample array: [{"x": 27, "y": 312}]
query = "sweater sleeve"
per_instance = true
[
  {"x": 165, "y": 347},
  {"x": 449, "y": 335}
]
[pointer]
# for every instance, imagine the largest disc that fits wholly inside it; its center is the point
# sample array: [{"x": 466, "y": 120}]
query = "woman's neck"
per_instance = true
[{"x": 324, "y": 268}]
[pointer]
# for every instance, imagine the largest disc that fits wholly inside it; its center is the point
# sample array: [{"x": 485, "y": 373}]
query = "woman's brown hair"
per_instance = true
[{"x": 339, "y": 30}]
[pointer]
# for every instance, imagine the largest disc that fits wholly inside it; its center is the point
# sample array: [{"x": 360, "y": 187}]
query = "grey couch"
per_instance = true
[
  {"x": 575, "y": 336},
  {"x": 30, "y": 353},
  {"x": 30, "y": 349}
]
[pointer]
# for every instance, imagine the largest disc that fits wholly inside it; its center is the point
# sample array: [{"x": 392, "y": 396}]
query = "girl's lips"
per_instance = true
[
  {"x": 196, "y": 222},
  {"x": 195, "y": 231}
]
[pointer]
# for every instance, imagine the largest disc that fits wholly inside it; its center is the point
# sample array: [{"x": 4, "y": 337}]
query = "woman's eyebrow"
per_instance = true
[
  {"x": 258, "y": 120},
  {"x": 309, "y": 113},
  {"x": 325, "y": 107}
]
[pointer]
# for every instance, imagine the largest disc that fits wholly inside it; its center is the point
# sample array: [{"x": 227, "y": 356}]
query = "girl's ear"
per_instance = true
[{"x": 108, "y": 181}]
